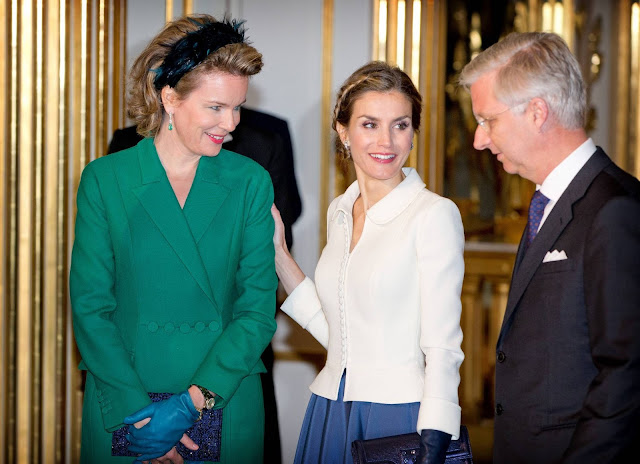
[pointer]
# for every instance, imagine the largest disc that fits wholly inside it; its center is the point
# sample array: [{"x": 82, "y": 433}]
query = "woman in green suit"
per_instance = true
[{"x": 172, "y": 275}]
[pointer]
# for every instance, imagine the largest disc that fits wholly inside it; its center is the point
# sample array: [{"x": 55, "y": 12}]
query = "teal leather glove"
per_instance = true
[
  {"x": 433, "y": 447},
  {"x": 170, "y": 418}
]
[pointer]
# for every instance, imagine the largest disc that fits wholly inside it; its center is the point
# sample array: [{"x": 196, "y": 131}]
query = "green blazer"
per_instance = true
[{"x": 164, "y": 296}]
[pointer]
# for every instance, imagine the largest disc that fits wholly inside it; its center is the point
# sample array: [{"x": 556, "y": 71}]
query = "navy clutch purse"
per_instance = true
[
  {"x": 403, "y": 449},
  {"x": 206, "y": 433}
]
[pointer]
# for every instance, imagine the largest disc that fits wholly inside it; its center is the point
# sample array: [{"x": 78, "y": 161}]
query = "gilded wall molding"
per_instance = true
[
  {"x": 326, "y": 148},
  {"x": 413, "y": 39},
  {"x": 62, "y": 76},
  {"x": 625, "y": 123},
  {"x": 406, "y": 33}
]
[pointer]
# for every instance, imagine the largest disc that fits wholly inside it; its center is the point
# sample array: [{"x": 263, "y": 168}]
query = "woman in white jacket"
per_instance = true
[{"x": 386, "y": 298}]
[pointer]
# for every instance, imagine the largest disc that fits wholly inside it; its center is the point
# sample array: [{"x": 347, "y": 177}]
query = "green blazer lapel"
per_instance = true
[
  {"x": 205, "y": 198},
  {"x": 158, "y": 199}
]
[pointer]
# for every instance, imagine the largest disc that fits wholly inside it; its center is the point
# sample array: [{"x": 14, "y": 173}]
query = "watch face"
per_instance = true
[{"x": 209, "y": 403}]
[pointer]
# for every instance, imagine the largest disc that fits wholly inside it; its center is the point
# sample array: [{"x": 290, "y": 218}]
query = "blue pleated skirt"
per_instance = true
[{"x": 329, "y": 427}]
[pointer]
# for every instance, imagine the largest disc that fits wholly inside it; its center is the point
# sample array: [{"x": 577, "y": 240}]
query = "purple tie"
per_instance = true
[{"x": 536, "y": 210}]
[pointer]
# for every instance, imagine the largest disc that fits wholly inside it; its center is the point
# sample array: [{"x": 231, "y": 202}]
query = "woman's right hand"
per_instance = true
[
  {"x": 288, "y": 271},
  {"x": 279, "y": 241},
  {"x": 172, "y": 456},
  {"x": 142, "y": 423}
]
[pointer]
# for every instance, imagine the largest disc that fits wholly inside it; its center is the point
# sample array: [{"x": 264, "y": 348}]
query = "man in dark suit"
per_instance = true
[
  {"x": 265, "y": 139},
  {"x": 568, "y": 354}
]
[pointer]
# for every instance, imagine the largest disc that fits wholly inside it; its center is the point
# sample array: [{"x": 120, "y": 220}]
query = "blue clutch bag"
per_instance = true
[{"x": 206, "y": 433}]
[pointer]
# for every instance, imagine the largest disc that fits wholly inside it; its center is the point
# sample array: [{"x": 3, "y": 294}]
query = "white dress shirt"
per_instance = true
[
  {"x": 389, "y": 311},
  {"x": 559, "y": 179}
]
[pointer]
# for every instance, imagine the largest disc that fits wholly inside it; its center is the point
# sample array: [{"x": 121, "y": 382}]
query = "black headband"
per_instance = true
[{"x": 192, "y": 49}]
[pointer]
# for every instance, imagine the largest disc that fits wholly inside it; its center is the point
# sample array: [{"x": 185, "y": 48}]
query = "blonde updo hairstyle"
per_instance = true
[
  {"x": 144, "y": 101},
  {"x": 375, "y": 76}
]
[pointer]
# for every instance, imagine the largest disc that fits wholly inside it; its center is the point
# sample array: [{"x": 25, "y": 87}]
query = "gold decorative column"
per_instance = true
[
  {"x": 325, "y": 131},
  {"x": 406, "y": 33},
  {"x": 412, "y": 34},
  {"x": 471, "y": 322},
  {"x": 626, "y": 87},
  {"x": 61, "y": 75}
]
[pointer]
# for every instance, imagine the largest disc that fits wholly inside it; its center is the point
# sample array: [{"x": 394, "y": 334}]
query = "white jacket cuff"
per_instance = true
[
  {"x": 438, "y": 414},
  {"x": 303, "y": 306}
]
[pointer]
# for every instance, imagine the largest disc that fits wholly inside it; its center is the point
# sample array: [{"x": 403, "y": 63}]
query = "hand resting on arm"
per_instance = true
[{"x": 287, "y": 269}]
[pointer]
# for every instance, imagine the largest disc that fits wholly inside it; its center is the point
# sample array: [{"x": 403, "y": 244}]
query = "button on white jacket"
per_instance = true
[{"x": 389, "y": 311}]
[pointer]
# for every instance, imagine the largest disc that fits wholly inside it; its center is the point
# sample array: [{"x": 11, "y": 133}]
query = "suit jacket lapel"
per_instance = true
[
  {"x": 561, "y": 214},
  {"x": 158, "y": 199},
  {"x": 206, "y": 196},
  {"x": 519, "y": 256}
]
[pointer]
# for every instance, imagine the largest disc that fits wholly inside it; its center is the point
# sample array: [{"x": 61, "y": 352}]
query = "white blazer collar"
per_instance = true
[{"x": 394, "y": 203}]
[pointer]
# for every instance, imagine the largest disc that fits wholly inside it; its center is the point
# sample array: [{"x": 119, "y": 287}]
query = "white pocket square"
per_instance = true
[{"x": 554, "y": 255}]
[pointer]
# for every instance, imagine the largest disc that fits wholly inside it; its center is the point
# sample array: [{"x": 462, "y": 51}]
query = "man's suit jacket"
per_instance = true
[
  {"x": 265, "y": 139},
  {"x": 568, "y": 354}
]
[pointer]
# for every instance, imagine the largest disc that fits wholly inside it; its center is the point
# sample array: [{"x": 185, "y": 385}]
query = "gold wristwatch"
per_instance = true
[{"x": 209, "y": 399}]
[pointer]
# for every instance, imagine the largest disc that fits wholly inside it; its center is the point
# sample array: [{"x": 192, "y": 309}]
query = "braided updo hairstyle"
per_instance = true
[{"x": 376, "y": 76}]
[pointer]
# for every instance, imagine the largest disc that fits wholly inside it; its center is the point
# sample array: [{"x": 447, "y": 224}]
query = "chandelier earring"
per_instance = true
[
  {"x": 170, "y": 121},
  {"x": 347, "y": 148}
]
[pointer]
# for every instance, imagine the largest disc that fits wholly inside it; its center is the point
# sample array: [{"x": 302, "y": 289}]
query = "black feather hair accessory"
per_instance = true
[{"x": 192, "y": 49}]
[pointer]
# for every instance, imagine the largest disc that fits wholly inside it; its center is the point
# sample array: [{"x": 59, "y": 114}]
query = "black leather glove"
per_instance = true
[{"x": 433, "y": 446}]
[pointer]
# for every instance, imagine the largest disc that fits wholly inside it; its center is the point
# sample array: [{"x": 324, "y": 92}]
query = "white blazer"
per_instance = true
[{"x": 389, "y": 311}]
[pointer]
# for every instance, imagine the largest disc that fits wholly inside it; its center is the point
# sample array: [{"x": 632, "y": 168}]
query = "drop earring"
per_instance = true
[
  {"x": 170, "y": 121},
  {"x": 346, "y": 147},
  {"x": 412, "y": 145}
]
